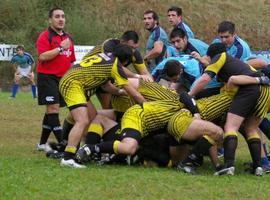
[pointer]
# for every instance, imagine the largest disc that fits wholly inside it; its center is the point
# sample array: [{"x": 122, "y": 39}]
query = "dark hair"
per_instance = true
[
  {"x": 123, "y": 52},
  {"x": 130, "y": 35},
  {"x": 20, "y": 47},
  {"x": 178, "y": 32},
  {"x": 52, "y": 10},
  {"x": 154, "y": 14},
  {"x": 173, "y": 68},
  {"x": 226, "y": 26},
  {"x": 175, "y": 9},
  {"x": 215, "y": 49}
]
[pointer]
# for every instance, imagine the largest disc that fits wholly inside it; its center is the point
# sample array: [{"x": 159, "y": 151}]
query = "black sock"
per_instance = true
[
  {"x": 54, "y": 122},
  {"x": 230, "y": 145},
  {"x": 68, "y": 155},
  {"x": 201, "y": 147},
  {"x": 103, "y": 147},
  {"x": 46, "y": 130},
  {"x": 254, "y": 146},
  {"x": 111, "y": 134},
  {"x": 92, "y": 138},
  {"x": 66, "y": 129}
]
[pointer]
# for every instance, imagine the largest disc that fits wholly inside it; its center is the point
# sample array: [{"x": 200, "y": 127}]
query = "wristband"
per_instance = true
[
  {"x": 137, "y": 76},
  {"x": 60, "y": 49},
  {"x": 121, "y": 91}
]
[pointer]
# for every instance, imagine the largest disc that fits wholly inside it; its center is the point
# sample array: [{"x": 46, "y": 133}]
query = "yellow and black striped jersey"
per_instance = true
[
  {"x": 95, "y": 70},
  {"x": 107, "y": 47},
  {"x": 150, "y": 116},
  {"x": 151, "y": 91},
  {"x": 225, "y": 66}
]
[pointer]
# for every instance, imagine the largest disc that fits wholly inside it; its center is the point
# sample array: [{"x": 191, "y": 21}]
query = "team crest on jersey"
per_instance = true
[{"x": 104, "y": 56}]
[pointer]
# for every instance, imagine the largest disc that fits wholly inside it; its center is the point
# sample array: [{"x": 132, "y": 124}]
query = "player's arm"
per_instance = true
[
  {"x": 51, "y": 54},
  {"x": 190, "y": 104},
  {"x": 201, "y": 59},
  {"x": 15, "y": 67},
  {"x": 130, "y": 74},
  {"x": 140, "y": 67},
  {"x": 132, "y": 92},
  {"x": 246, "y": 80},
  {"x": 200, "y": 84},
  {"x": 110, "y": 88},
  {"x": 155, "y": 52}
]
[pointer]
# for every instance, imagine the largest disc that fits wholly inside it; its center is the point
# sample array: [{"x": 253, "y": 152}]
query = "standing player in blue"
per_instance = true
[
  {"x": 235, "y": 46},
  {"x": 157, "y": 47},
  {"x": 23, "y": 65},
  {"x": 175, "y": 19}
]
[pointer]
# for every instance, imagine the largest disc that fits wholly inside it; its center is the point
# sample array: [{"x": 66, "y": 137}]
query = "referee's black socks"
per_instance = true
[
  {"x": 46, "y": 130},
  {"x": 54, "y": 123}
]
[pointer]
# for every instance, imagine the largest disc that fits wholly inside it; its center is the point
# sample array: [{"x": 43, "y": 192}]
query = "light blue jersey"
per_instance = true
[
  {"x": 239, "y": 49},
  {"x": 195, "y": 45},
  {"x": 192, "y": 71},
  {"x": 186, "y": 28},
  {"x": 23, "y": 61},
  {"x": 157, "y": 34}
]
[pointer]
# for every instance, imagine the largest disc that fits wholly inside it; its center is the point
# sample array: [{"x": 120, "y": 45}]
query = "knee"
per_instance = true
[
  {"x": 84, "y": 121},
  {"x": 131, "y": 149}
]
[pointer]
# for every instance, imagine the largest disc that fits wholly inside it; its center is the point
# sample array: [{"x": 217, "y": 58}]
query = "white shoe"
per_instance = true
[
  {"x": 225, "y": 171},
  {"x": 44, "y": 147},
  {"x": 258, "y": 171},
  {"x": 71, "y": 163}
]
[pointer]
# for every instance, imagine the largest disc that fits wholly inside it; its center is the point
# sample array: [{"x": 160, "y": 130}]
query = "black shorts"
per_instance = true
[
  {"x": 245, "y": 100},
  {"x": 48, "y": 90}
]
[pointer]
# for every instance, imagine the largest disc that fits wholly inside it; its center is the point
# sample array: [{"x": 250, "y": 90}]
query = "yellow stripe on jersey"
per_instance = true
[
  {"x": 215, "y": 106},
  {"x": 116, "y": 74},
  {"x": 216, "y": 67},
  {"x": 263, "y": 103},
  {"x": 151, "y": 91},
  {"x": 139, "y": 67}
]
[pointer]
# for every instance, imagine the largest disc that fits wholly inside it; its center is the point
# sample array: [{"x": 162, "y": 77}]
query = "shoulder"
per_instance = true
[
  {"x": 241, "y": 41},
  {"x": 43, "y": 34},
  {"x": 14, "y": 58}
]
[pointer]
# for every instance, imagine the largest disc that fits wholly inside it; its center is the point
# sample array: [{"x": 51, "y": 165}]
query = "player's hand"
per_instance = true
[
  {"x": 195, "y": 55},
  {"x": 65, "y": 44},
  {"x": 147, "y": 78},
  {"x": 264, "y": 80}
]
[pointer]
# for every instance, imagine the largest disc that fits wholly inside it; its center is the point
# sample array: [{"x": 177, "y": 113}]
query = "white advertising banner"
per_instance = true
[{"x": 8, "y": 50}]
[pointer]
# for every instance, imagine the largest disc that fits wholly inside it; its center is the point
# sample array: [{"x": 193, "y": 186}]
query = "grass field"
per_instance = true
[{"x": 28, "y": 174}]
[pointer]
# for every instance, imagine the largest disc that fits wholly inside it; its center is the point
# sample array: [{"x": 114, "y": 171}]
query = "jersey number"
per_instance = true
[{"x": 88, "y": 61}]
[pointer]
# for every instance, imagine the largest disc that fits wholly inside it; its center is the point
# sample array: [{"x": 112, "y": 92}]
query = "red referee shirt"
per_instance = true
[{"x": 58, "y": 66}]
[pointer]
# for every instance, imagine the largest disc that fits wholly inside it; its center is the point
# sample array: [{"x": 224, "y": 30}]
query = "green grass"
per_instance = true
[{"x": 28, "y": 174}]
